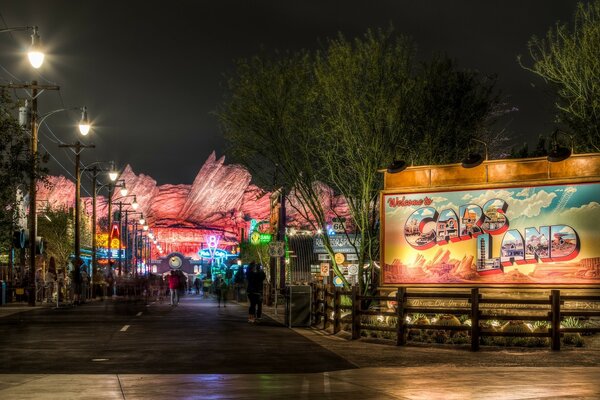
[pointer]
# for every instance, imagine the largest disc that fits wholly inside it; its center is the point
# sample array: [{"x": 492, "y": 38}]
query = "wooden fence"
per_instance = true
[{"x": 480, "y": 309}]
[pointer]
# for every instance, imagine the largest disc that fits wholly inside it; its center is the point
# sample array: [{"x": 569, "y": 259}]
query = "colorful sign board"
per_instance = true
[
  {"x": 213, "y": 253},
  {"x": 260, "y": 238},
  {"x": 519, "y": 235},
  {"x": 102, "y": 241},
  {"x": 339, "y": 243}
]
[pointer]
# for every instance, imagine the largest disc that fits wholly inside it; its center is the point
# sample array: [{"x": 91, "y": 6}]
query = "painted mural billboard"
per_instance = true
[{"x": 525, "y": 235}]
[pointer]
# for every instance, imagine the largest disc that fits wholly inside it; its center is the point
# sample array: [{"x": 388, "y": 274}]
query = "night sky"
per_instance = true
[{"x": 152, "y": 72}]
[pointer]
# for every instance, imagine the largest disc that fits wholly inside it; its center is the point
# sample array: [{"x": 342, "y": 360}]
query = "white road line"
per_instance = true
[
  {"x": 138, "y": 314},
  {"x": 123, "y": 329}
]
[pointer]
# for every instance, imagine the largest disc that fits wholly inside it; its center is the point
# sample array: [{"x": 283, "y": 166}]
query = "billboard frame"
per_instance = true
[{"x": 491, "y": 174}]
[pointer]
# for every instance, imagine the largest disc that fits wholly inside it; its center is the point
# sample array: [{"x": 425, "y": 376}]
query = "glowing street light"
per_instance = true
[
  {"x": 113, "y": 174},
  {"x": 35, "y": 53},
  {"x": 124, "y": 190},
  {"x": 84, "y": 124},
  {"x": 135, "y": 204}
]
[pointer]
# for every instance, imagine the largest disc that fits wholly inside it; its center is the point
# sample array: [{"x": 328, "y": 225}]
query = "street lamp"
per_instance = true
[
  {"x": 84, "y": 123},
  {"x": 35, "y": 52},
  {"x": 559, "y": 152},
  {"x": 474, "y": 159},
  {"x": 95, "y": 170},
  {"x": 78, "y": 146},
  {"x": 121, "y": 204}
]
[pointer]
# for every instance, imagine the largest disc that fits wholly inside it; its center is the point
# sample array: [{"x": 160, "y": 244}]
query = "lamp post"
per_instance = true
[
  {"x": 129, "y": 254},
  {"x": 84, "y": 128},
  {"x": 36, "y": 58},
  {"x": 95, "y": 170},
  {"x": 111, "y": 187},
  {"x": 78, "y": 146},
  {"x": 134, "y": 205}
]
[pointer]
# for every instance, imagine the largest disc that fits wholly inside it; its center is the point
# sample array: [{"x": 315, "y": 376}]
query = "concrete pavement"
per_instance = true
[{"x": 365, "y": 384}]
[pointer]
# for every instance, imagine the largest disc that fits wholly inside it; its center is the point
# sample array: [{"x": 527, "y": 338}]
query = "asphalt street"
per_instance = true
[
  {"x": 129, "y": 337},
  {"x": 196, "y": 350}
]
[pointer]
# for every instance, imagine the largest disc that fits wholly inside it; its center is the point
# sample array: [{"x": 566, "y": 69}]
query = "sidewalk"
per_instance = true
[{"x": 14, "y": 308}]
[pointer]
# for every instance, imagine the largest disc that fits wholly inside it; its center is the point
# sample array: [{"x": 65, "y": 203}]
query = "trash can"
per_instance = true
[
  {"x": 297, "y": 306},
  {"x": 2, "y": 293}
]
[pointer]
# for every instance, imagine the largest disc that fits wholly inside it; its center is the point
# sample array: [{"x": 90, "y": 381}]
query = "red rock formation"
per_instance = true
[
  {"x": 221, "y": 197},
  {"x": 56, "y": 192}
]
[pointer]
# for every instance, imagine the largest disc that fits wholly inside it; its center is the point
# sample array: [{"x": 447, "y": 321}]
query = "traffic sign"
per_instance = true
[
  {"x": 276, "y": 249},
  {"x": 339, "y": 258}
]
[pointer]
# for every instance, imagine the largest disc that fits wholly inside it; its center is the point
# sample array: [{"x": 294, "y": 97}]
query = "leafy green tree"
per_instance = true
[
  {"x": 56, "y": 227},
  {"x": 299, "y": 121},
  {"x": 268, "y": 117},
  {"x": 568, "y": 58},
  {"x": 14, "y": 165},
  {"x": 450, "y": 106},
  {"x": 364, "y": 90}
]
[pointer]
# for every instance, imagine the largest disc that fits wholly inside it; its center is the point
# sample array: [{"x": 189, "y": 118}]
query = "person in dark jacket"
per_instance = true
[
  {"x": 255, "y": 277},
  {"x": 174, "y": 287}
]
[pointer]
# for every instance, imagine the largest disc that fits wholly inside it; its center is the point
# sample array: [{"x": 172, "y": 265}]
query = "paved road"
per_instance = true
[
  {"x": 118, "y": 350},
  {"x": 120, "y": 337}
]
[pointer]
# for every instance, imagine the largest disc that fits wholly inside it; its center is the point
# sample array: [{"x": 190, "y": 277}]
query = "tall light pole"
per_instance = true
[
  {"x": 78, "y": 146},
  {"x": 36, "y": 58},
  {"x": 112, "y": 174},
  {"x": 34, "y": 125}
]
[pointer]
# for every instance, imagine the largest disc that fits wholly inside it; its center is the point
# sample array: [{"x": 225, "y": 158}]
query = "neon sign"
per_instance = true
[{"x": 215, "y": 253}]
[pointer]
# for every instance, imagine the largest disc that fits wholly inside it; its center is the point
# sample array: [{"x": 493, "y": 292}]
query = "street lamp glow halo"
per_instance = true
[
  {"x": 84, "y": 129},
  {"x": 135, "y": 204},
  {"x": 124, "y": 191},
  {"x": 35, "y": 53},
  {"x": 84, "y": 124}
]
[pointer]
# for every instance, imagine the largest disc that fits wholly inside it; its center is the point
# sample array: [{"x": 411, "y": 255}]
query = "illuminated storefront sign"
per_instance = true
[
  {"x": 114, "y": 253},
  {"x": 523, "y": 235},
  {"x": 339, "y": 243},
  {"x": 102, "y": 241},
  {"x": 260, "y": 238}
]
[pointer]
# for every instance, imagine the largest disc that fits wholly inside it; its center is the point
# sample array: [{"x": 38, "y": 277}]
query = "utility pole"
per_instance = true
[
  {"x": 95, "y": 171},
  {"x": 36, "y": 90},
  {"x": 77, "y": 262}
]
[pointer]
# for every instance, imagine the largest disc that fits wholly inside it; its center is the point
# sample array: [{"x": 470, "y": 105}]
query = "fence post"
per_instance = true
[
  {"x": 325, "y": 306},
  {"x": 313, "y": 304},
  {"x": 355, "y": 313},
  {"x": 401, "y": 324},
  {"x": 336, "y": 310},
  {"x": 474, "y": 319},
  {"x": 555, "y": 329}
]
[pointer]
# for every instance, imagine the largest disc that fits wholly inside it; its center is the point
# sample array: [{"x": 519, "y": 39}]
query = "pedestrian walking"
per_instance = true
[
  {"x": 221, "y": 290},
  {"x": 197, "y": 284},
  {"x": 206, "y": 283},
  {"x": 174, "y": 287},
  {"x": 255, "y": 277}
]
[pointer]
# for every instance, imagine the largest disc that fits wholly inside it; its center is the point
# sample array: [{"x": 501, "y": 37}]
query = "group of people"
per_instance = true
[{"x": 255, "y": 278}]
